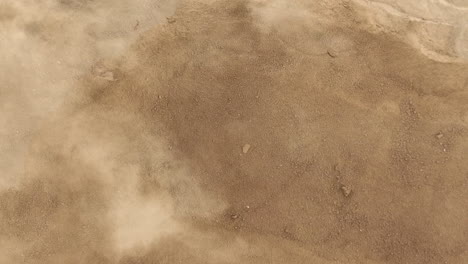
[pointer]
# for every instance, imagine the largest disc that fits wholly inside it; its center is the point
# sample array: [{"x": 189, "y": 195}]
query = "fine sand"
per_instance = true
[{"x": 233, "y": 131}]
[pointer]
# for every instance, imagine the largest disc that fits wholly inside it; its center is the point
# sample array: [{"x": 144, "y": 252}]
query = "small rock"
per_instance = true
[
  {"x": 346, "y": 190},
  {"x": 171, "y": 20},
  {"x": 234, "y": 216},
  {"x": 439, "y": 135},
  {"x": 108, "y": 75},
  {"x": 246, "y": 148},
  {"x": 332, "y": 53}
]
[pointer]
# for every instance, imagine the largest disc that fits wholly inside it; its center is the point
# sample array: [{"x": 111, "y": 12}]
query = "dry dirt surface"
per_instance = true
[{"x": 233, "y": 131}]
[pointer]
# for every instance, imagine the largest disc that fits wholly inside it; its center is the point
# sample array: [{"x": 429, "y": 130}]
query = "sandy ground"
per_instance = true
[{"x": 214, "y": 131}]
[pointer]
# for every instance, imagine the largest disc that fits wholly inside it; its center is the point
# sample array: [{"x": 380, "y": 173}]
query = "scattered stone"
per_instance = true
[
  {"x": 234, "y": 216},
  {"x": 246, "y": 148},
  {"x": 108, "y": 75},
  {"x": 439, "y": 135},
  {"x": 346, "y": 190},
  {"x": 332, "y": 53}
]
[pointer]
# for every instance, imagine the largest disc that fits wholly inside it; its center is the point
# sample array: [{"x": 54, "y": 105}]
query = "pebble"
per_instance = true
[
  {"x": 332, "y": 53},
  {"x": 346, "y": 190},
  {"x": 246, "y": 148},
  {"x": 109, "y": 76}
]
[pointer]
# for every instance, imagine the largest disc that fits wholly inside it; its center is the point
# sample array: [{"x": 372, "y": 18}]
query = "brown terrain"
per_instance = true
[{"x": 216, "y": 131}]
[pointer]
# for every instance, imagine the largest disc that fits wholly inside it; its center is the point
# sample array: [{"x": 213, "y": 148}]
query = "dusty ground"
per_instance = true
[{"x": 231, "y": 132}]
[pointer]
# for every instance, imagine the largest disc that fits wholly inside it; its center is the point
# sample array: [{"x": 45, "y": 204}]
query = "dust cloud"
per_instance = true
[
  {"x": 124, "y": 126},
  {"x": 46, "y": 47},
  {"x": 71, "y": 171}
]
